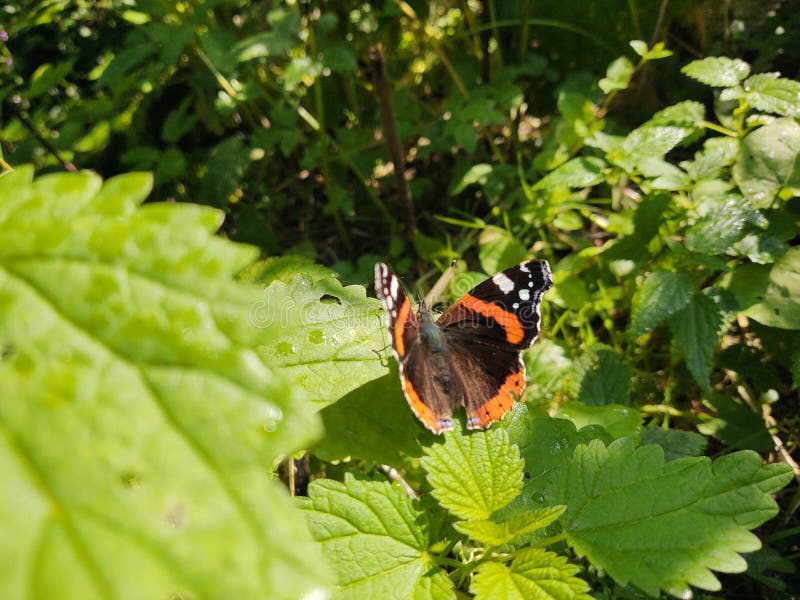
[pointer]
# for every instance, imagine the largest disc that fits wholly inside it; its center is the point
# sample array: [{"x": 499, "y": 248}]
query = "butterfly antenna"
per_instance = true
[{"x": 441, "y": 285}]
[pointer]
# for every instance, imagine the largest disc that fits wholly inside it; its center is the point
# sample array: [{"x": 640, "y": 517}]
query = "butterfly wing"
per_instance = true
[
  {"x": 486, "y": 331},
  {"x": 427, "y": 401}
]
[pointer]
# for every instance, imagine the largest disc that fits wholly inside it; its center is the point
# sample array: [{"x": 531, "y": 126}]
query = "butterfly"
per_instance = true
[{"x": 472, "y": 355}]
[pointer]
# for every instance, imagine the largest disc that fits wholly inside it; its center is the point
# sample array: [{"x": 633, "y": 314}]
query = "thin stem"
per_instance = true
[{"x": 68, "y": 166}]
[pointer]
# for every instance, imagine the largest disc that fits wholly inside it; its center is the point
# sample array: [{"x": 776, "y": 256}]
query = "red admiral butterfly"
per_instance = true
[{"x": 472, "y": 355}]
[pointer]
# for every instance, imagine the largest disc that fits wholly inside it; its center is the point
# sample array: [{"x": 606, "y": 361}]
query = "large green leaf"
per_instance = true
[
  {"x": 722, "y": 224},
  {"x": 376, "y": 538},
  {"x": 663, "y": 294},
  {"x": 138, "y": 425},
  {"x": 576, "y": 173},
  {"x": 697, "y": 328},
  {"x": 665, "y": 526},
  {"x": 768, "y": 161},
  {"x": 675, "y": 443},
  {"x": 534, "y": 573},
  {"x": 769, "y": 93},
  {"x": 474, "y": 474}
]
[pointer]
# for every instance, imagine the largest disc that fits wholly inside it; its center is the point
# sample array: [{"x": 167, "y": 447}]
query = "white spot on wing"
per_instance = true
[
  {"x": 524, "y": 268},
  {"x": 394, "y": 287},
  {"x": 524, "y": 295},
  {"x": 503, "y": 282}
]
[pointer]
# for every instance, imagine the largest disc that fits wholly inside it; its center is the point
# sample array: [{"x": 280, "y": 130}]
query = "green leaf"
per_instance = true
[
  {"x": 476, "y": 174},
  {"x": 666, "y": 526},
  {"x": 373, "y": 422},
  {"x": 603, "y": 377},
  {"x": 546, "y": 445},
  {"x": 576, "y": 173},
  {"x": 717, "y": 71},
  {"x": 663, "y": 294},
  {"x": 618, "y": 75},
  {"x": 696, "y": 328},
  {"x": 722, "y": 225},
  {"x": 46, "y": 77},
  {"x": 546, "y": 365},
  {"x": 736, "y": 425},
  {"x": 618, "y": 421},
  {"x": 770, "y": 296},
  {"x": 320, "y": 335},
  {"x": 768, "y": 161},
  {"x": 688, "y": 113},
  {"x": 498, "y": 249},
  {"x": 534, "y": 573},
  {"x": 491, "y": 533},
  {"x": 675, "y": 443},
  {"x": 717, "y": 153},
  {"x": 376, "y": 539},
  {"x": 138, "y": 424},
  {"x": 769, "y": 93},
  {"x": 474, "y": 474},
  {"x": 647, "y": 141}
]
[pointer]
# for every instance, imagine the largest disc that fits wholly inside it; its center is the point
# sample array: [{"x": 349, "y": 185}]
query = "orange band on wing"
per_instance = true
[
  {"x": 507, "y": 320},
  {"x": 498, "y": 405},
  {"x": 421, "y": 410},
  {"x": 400, "y": 326}
]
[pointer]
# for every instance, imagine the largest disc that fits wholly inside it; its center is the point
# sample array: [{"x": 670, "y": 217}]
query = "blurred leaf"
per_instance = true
[
  {"x": 618, "y": 75},
  {"x": 576, "y": 173},
  {"x": 769, "y": 93},
  {"x": 376, "y": 539},
  {"x": 717, "y": 153},
  {"x": 476, "y": 174},
  {"x": 736, "y": 425},
  {"x": 226, "y": 167},
  {"x": 178, "y": 123},
  {"x": 675, "y": 443},
  {"x": 48, "y": 76},
  {"x": 663, "y": 294},
  {"x": 136, "y": 414},
  {"x": 697, "y": 328},
  {"x": 534, "y": 573},
  {"x": 717, "y": 71},
  {"x": 547, "y": 365},
  {"x": 498, "y": 249},
  {"x": 768, "y": 161},
  {"x": 602, "y": 377},
  {"x": 688, "y": 113},
  {"x": 474, "y": 474}
]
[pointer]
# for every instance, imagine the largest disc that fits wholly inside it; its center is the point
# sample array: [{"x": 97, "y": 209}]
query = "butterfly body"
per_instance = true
[{"x": 471, "y": 356}]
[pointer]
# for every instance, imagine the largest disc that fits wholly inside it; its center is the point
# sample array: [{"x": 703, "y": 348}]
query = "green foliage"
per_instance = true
[
  {"x": 136, "y": 415},
  {"x": 153, "y": 376}
]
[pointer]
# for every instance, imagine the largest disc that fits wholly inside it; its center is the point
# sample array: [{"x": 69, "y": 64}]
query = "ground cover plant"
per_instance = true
[{"x": 164, "y": 391}]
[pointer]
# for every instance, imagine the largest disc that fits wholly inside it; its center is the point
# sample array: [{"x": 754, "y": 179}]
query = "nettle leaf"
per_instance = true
[
  {"x": 771, "y": 296},
  {"x": 139, "y": 425},
  {"x": 663, "y": 294},
  {"x": 675, "y": 443},
  {"x": 768, "y": 161},
  {"x": 602, "y": 377},
  {"x": 666, "y": 526},
  {"x": 582, "y": 172},
  {"x": 618, "y": 75},
  {"x": 376, "y": 539},
  {"x": 717, "y": 71},
  {"x": 770, "y": 93},
  {"x": 688, "y": 113},
  {"x": 320, "y": 335},
  {"x": 618, "y": 421},
  {"x": 498, "y": 249},
  {"x": 722, "y": 225},
  {"x": 696, "y": 328},
  {"x": 492, "y": 533},
  {"x": 474, "y": 474},
  {"x": 546, "y": 445},
  {"x": 534, "y": 573}
]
